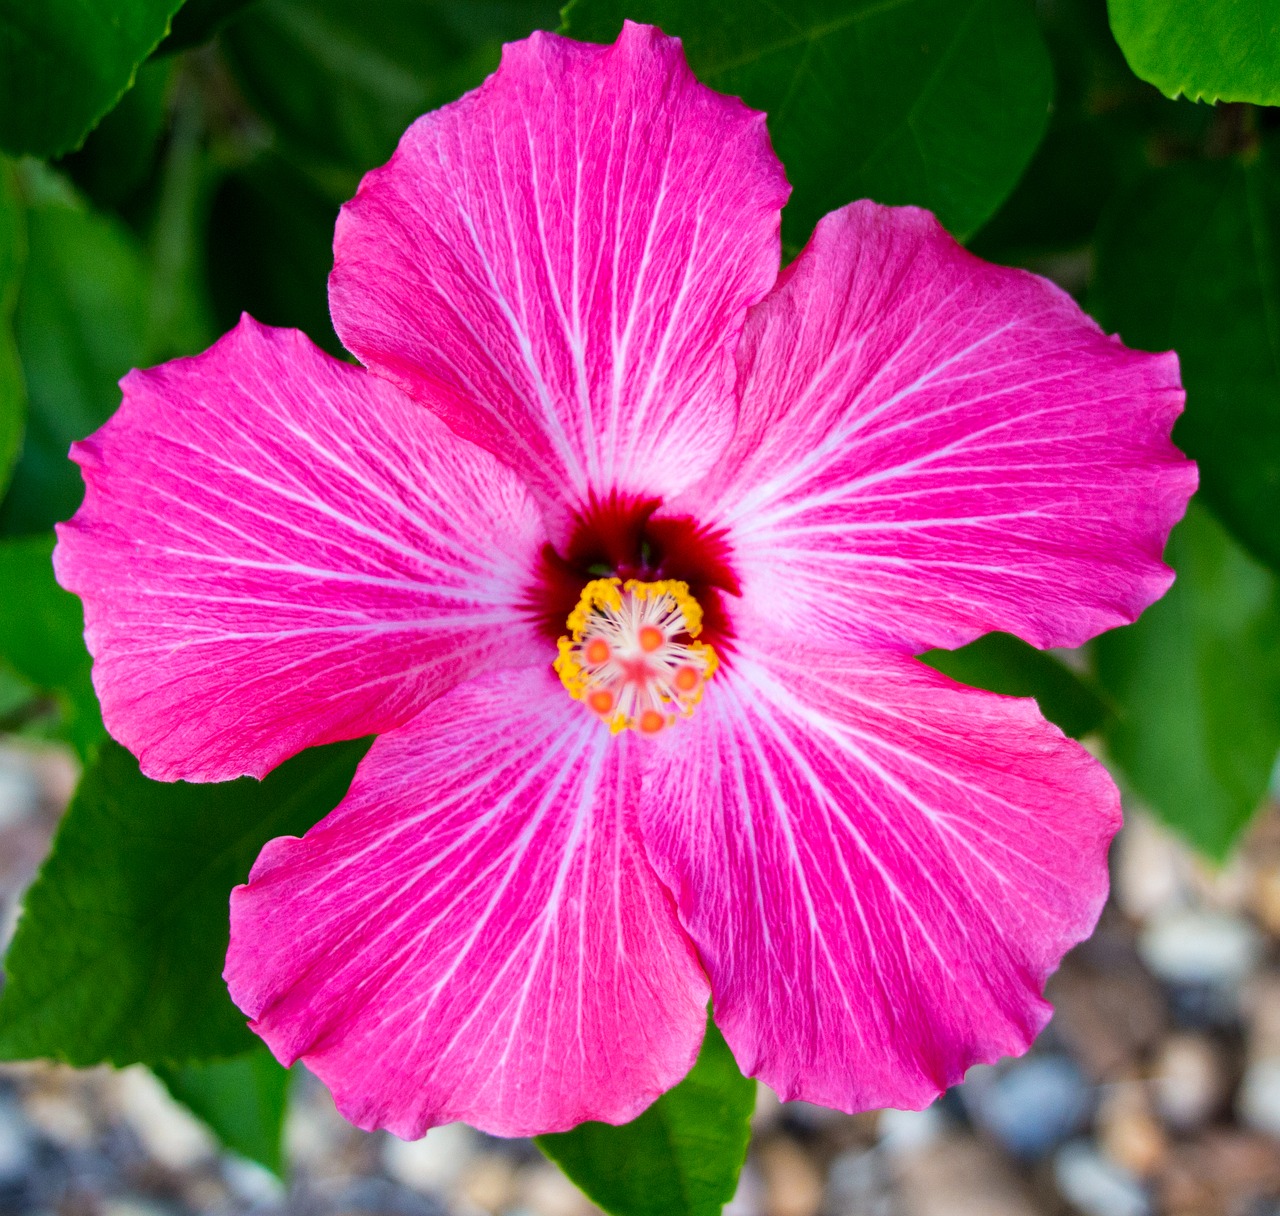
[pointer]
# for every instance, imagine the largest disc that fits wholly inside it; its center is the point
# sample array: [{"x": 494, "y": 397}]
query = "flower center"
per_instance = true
[{"x": 631, "y": 655}]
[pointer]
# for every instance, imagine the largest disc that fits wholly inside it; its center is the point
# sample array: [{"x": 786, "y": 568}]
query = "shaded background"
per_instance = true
[{"x": 208, "y": 183}]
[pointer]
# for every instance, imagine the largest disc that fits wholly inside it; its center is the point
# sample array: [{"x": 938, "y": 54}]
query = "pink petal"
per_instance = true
[
  {"x": 879, "y": 868},
  {"x": 277, "y": 549},
  {"x": 475, "y": 933},
  {"x": 559, "y": 263},
  {"x": 932, "y": 447}
]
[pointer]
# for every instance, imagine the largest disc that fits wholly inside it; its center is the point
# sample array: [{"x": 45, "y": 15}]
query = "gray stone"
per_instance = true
[
  {"x": 1202, "y": 947},
  {"x": 1096, "y": 1186},
  {"x": 1030, "y": 1107}
]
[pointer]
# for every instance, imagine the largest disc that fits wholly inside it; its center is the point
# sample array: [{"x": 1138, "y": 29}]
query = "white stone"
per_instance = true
[
  {"x": 1258, "y": 1102},
  {"x": 126, "y": 1206},
  {"x": 748, "y": 1198},
  {"x": 15, "y": 1144},
  {"x": 1213, "y": 948},
  {"x": 170, "y": 1134},
  {"x": 1150, "y": 869},
  {"x": 61, "y": 1115},
  {"x": 253, "y": 1183},
  {"x": 314, "y": 1132},
  {"x": 903, "y": 1132},
  {"x": 547, "y": 1192},
  {"x": 430, "y": 1165},
  {"x": 1189, "y": 1079},
  {"x": 19, "y": 792},
  {"x": 1096, "y": 1186}
]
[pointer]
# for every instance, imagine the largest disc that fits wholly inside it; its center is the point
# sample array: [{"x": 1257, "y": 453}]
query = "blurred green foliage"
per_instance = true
[
  {"x": 934, "y": 102},
  {"x": 199, "y": 166},
  {"x": 1189, "y": 259},
  {"x": 64, "y": 64}
]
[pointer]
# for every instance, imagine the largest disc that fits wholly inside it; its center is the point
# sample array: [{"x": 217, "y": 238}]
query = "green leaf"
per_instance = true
[
  {"x": 242, "y": 1100},
  {"x": 1004, "y": 664},
  {"x": 340, "y": 80},
  {"x": 13, "y": 256},
  {"x": 1196, "y": 683},
  {"x": 1207, "y": 50},
  {"x": 120, "y": 154},
  {"x": 681, "y": 1157},
  {"x": 17, "y": 697},
  {"x": 65, "y": 63},
  {"x": 1190, "y": 260},
  {"x": 81, "y": 323},
  {"x": 119, "y": 951},
  {"x": 1101, "y": 114},
  {"x": 41, "y": 636},
  {"x": 934, "y": 102}
]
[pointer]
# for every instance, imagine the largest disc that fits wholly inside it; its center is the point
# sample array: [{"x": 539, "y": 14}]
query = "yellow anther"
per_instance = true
[{"x": 631, "y": 653}]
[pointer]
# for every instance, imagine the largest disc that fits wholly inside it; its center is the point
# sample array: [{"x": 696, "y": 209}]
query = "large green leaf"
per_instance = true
[
  {"x": 1196, "y": 683},
  {"x": 340, "y": 80},
  {"x": 1004, "y": 664},
  {"x": 681, "y": 1157},
  {"x": 935, "y": 102},
  {"x": 13, "y": 256},
  {"x": 241, "y": 1099},
  {"x": 81, "y": 323},
  {"x": 119, "y": 951},
  {"x": 120, "y": 154},
  {"x": 41, "y": 628},
  {"x": 1190, "y": 260},
  {"x": 65, "y": 63},
  {"x": 1208, "y": 50}
]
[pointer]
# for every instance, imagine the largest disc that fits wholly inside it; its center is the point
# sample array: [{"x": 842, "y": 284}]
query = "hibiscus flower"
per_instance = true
[{"x": 623, "y": 543}]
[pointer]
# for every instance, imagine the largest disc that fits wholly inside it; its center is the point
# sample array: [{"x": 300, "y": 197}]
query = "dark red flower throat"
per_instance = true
[{"x": 622, "y": 536}]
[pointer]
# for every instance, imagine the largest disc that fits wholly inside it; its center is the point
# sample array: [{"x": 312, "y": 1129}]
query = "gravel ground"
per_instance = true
[{"x": 1154, "y": 1092}]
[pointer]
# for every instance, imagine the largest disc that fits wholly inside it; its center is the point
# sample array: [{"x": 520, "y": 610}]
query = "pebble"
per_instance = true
[
  {"x": 62, "y": 1112},
  {"x": 130, "y": 1206},
  {"x": 748, "y": 1198},
  {"x": 15, "y": 1144},
  {"x": 19, "y": 792},
  {"x": 1189, "y": 1077},
  {"x": 1107, "y": 1016},
  {"x": 1127, "y": 1130},
  {"x": 1215, "y": 949},
  {"x": 1030, "y": 1106},
  {"x": 808, "y": 1116},
  {"x": 1150, "y": 866},
  {"x": 547, "y": 1192},
  {"x": 903, "y": 1132},
  {"x": 860, "y": 1183},
  {"x": 169, "y": 1133},
  {"x": 1264, "y": 897},
  {"x": 1258, "y": 1101},
  {"x": 1262, "y": 1005},
  {"x": 489, "y": 1183},
  {"x": 434, "y": 1163},
  {"x": 960, "y": 1176},
  {"x": 253, "y": 1183},
  {"x": 1096, "y": 1186},
  {"x": 316, "y": 1137},
  {"x": 792, "y": 1184}
]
